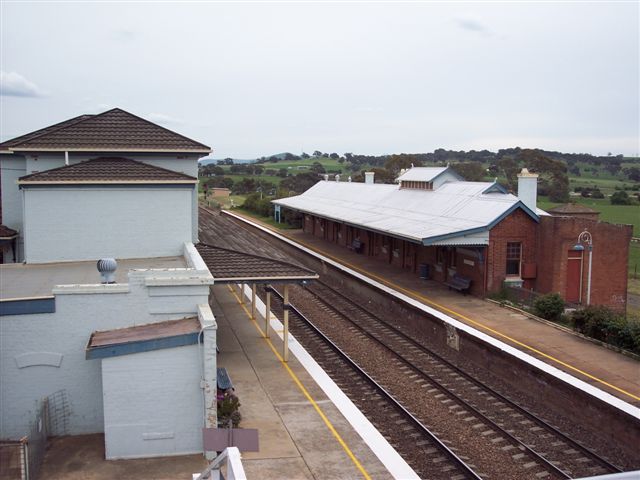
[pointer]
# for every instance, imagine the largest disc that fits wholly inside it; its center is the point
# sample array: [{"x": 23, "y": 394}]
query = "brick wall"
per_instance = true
[
  {"x": 517, "y": 227},
  {"x": 557, "y": 235}
]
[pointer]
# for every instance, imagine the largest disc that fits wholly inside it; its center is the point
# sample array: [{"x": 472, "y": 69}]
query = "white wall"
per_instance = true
[
  {"x": 13, "y": 167},
  {"x": 153, "y": 403},
  {"x": 186, "y": 163},
  {"x": 74, "y": 223},
  {"x": 66, "y": 332}
]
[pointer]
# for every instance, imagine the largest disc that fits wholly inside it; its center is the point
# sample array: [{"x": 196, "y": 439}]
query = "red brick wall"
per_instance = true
[
  {"x": 476, "y": 271},
  {"x": 517, "y": 227},
  {"x": 610, "y": 257}
]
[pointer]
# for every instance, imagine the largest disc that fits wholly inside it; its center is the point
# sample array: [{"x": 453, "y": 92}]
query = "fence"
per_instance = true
[
  {"x": 22, "y": 459},
  {"x": 528, "y": 297}
]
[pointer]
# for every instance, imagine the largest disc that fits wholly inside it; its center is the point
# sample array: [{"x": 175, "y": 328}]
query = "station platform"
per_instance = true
[
  {"x": 302, "y": 434},
  {"x": 607, "y": 370}
]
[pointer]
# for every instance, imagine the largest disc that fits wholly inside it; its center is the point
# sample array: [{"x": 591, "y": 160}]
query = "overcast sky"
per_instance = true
[{"x": 253, "y": 79}]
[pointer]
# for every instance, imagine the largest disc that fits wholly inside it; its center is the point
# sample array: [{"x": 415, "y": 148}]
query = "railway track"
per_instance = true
[{"x": 489, "y": 433}]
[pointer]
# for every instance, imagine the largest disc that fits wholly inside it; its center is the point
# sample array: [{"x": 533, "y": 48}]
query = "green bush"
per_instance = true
[
  {"x": 620, "y": 198},
  {"x": 549, "y": 306},
  {"x": 606, "y": 325},
  {"x": 227, "y": 409},
  {"x": 261, "y": 206}
]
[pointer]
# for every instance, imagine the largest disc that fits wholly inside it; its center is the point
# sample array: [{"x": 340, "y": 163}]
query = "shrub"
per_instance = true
[
  {"x": 620, "y": 198},
  {"x": 227, "y": 409},
  {"x": 549, "y": 306},
  {"x": 606, "y": 325}
]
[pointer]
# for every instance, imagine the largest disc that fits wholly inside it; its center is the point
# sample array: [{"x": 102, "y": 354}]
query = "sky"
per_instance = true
[{"x": 259, "y": 78}]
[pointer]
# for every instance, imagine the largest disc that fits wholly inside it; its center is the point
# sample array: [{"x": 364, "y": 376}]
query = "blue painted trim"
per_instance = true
[
  {"x": 142, "y": 346},
  {"x": 449, "y": 170},
  {"x": 438, "y": 238},
  {"x": 511, "y": 209},
  {"x": 27, "y": 306}
]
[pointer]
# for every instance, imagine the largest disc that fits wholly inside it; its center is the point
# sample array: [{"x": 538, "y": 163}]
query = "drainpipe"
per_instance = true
[{"x": 66, "y": 158}]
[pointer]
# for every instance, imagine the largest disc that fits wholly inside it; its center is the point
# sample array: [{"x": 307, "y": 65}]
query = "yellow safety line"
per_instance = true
[
  {"x": 414, "y": 294},
  {"x": 304, "y": 390}
]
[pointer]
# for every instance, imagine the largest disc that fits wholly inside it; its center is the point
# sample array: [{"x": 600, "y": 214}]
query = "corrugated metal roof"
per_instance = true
[
  {"x": 453, "y": 210},
  {"x": 422, "y": 174}
]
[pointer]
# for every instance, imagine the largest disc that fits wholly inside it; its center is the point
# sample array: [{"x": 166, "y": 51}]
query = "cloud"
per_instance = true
[
  {"x": 473, "y": 26},
  {"x": 124, "y": 34},
  {"x": 13, "y": 84},
  {"x": 163, "y": 119}
]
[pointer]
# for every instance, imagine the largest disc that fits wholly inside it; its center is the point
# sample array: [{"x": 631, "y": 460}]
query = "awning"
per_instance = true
[{"x": 232, "y": 266}]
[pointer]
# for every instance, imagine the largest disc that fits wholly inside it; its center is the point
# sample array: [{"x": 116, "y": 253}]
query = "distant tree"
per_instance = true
[
  {"x": 228, "y": 161},
  {"x": 621, "y": 198},
  {"x": 334, "y": 156},
  {"x": 575, "y": 170},
  {"x": 395, "y": 163},
  {"x": 341, "y": 160},
  {"x": 348, "y": 156},
  {"x": 632, "y": 173},
  {"x": 317, "y": 153},
  {"x": 471, "y": 172},
  {"x": 316, "y": 167},
  {"x": 282, "y": 172},
  {"x": 305, "y": 155},
  {"x": 300, "y": 183},
  {"x": 220, "y": 162}
]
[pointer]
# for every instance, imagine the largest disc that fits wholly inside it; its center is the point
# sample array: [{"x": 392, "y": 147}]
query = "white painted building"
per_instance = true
[{"x": 135, "y": 359}]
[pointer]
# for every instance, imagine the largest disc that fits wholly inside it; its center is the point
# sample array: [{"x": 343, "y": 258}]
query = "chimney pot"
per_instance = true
[
  {"x": 369, "y": 177},
  {"x": 528, "y": 189}
]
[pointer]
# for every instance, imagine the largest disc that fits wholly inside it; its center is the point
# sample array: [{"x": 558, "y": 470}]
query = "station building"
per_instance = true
[
  {"x": 116, "y": 350},
  {"x": 434, "y": 224}
]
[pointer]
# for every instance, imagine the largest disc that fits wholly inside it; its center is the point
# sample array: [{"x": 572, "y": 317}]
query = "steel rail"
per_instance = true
[
  {"x": 457, "y": 460},
  {"x": 468, "y": 377}
]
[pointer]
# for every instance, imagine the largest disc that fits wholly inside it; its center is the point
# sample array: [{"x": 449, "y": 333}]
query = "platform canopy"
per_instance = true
[{"x": 232, "y": 266}]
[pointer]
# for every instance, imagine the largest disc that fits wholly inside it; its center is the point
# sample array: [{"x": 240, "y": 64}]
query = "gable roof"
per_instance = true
[
  {"x": 427, "y": 174},
  {"x": 456, "y": 209},
  {"x": 106, "y": 170},
  {"x": 112, "y": 131}
]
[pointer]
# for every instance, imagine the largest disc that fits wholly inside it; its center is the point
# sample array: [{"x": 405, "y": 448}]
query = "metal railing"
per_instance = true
[{"x": 228, "y": 463}]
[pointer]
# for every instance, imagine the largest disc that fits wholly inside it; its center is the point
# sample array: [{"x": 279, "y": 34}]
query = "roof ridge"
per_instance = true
[
  {"x": 281, "y": 262},
  {"x": 50, "y": 129},
  {"x": 157, "y": 125}
]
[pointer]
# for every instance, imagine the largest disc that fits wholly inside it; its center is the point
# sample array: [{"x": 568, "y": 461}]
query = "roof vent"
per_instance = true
[
  {"x": 349, "y": 179},
  {"x": 337, "y": 177},
  {"x": 326, "y": 177},
  {"x": 107, "y": 268}
]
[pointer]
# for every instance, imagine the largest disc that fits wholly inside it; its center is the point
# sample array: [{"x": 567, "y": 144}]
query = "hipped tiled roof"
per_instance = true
[
  {"x": 107, "y": 170},
  {"x": 233, "y": 266},
  {"x": 113, "y": 130}
]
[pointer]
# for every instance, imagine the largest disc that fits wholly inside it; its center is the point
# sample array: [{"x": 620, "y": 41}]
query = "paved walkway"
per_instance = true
[
  {"x": 610, "y": 371},
  {"x": 295, "y": 441}
]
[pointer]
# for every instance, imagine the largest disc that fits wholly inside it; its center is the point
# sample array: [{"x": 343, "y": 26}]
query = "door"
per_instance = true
[{"x": 574, "y": 276}]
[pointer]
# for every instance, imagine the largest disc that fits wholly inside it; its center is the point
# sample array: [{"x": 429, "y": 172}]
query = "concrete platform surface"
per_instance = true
[
  {"x": 603, "y": 368},
  {"x": 295, "y": 442},
  {"x": 81, "y": 457}
]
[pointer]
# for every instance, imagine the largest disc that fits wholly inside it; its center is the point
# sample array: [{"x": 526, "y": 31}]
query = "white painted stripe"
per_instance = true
[
  {"x": 525, "y": 357},
  {"x": 381, "y": 448}
]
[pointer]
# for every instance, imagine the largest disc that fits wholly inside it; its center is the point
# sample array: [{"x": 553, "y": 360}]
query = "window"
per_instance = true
[{"x": 514, "y": 250}]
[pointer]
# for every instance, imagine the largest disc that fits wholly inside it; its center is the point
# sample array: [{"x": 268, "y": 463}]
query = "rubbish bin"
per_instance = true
[{"x": 424, "y": 271}]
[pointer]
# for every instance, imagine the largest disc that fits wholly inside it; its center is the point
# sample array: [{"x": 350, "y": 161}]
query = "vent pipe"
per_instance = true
[
  {"x": 66, "y": 158},
  {"x": 326, "y": 177},
  {"x": 337, "y": 177},
  {"x": 369, "y": 177},
  {"x": 528, "y": 189},
  {"x": 107, "y": 268}
]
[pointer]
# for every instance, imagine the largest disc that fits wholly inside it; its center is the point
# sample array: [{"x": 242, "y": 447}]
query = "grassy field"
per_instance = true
[{"x": 625, "y": 214}]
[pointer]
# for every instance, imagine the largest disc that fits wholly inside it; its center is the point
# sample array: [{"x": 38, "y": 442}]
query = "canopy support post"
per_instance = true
[
  {"x": 267, "y": 315},
  {"x": 285, "y": 335},
  {"x": 253, "y": 301}
]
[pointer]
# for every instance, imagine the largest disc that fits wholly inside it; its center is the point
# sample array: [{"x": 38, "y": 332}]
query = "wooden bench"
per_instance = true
[
  {"x": 223, "y": 379},
  {"x": 357, "y": 246},
  {"x": 460, "y": 283}
]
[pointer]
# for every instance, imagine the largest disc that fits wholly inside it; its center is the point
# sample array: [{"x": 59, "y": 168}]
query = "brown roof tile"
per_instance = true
[
  {"x": 231, "y": 265},
  {"x": 107, "y": 170},
  {"x": 113, "y": 130}
]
